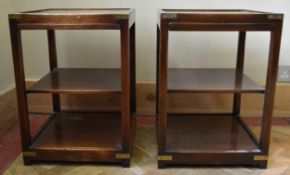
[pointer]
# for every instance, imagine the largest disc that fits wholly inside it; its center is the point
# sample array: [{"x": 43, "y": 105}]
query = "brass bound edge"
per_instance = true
[
  {"x": 275, "y": 16},
  {"x": 121, "y": 16},
  {"x": 169, "y": 16},
  {"x": 122, "y": 156},
  {"x": 165, "y": 157},
  {"x": 14, "y": 16},
  {"x": 29, "y": 154},
  {"x": 260, "y": 157}
]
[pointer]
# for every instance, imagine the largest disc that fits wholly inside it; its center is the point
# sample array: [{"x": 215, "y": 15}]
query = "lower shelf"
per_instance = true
[
  {"x": 187, "y": 133},
  {"x": 81, "y": 137},
  {"x": 81, "y": 131}
]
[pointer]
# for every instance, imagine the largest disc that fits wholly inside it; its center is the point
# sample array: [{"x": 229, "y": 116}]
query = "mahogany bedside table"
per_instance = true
[
  {"x": 219, "y": 138},
  {"x": 78, "y": 136}
]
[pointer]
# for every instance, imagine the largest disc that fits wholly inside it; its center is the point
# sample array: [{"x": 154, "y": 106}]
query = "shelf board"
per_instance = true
[
  {"x": 207, "y": 133},
  {"x": 81, "y": 131},
  {"x": 208, "y": 80},
  {"x": 79, "y": 80}
]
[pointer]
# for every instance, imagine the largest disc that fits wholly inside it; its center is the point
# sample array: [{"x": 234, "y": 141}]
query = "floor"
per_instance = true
[{"x": 144, "y": 156}]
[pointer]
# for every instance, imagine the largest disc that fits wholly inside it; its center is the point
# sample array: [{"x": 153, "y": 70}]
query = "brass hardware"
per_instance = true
[
  {"x": 29, "y": 154},
  {"x": 169, "y": 16},
  {"x": 14, "y": 16},
  {"x": 275, "y": 16},
  {"x": 260, "y": 157},
  {"x": 122, "y": 156},
  {"x": 121, "y": 16},
  {"x": 164, "y": 157}
]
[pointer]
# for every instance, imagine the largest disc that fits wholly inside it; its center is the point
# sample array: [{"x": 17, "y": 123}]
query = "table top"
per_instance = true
[
  {"x": 184, "y": 17},
  {"x": 211, "y": 11},
  {"x": 99, "y": 11},
  {"x": 217, "y": 13},
  {"x": 74, "y": 18}
]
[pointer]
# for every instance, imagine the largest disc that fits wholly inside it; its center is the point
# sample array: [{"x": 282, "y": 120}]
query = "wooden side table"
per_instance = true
[
  {"x": 214, "y": 139},
  {"x": 69, "y": 135}
]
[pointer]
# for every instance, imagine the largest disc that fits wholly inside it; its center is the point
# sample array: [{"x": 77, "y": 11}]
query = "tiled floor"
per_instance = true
[{"x": 144, "y": 157}]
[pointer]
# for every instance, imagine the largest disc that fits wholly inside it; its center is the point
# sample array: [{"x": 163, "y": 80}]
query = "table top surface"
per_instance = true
[
  {"x": 98, "y": 11},
  {"x": 218, "y": 15},
  {"x": 211, "y": 11}
]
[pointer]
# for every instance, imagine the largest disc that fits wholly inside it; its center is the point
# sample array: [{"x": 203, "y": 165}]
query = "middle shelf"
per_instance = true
[
  {"x": 79, "y": 80},
  {"x": 209, "y": 80}
]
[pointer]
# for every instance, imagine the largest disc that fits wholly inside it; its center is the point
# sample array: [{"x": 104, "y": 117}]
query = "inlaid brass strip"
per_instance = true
[
  {"x": 165, "y": 157},
  {"x": 260, "y": 157},
  {"x": 169, "y": 16},
  {"x": 121, "y": 16},
  {"x": 275, "y": 16},
  {"x": 29, "y": 154},
  {"x": 122, "y": 156}
]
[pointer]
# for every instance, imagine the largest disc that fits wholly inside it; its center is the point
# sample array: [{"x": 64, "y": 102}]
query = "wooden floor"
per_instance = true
[{"x": 144, "y": 160}]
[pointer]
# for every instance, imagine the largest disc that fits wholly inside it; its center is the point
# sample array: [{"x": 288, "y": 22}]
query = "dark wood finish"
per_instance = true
[
  {"x": 209, "y": 80},
  {"x": 81, "y": 11},
  {"x": 69, "y": 19},
  {"x": 78, "y": 137},
  {"x": 52, "y": 65},
  {"x": 79, "y": 80},
  {"x": 270, "y": 86},
  {"x": 15, "y": 35},
  {"x": 239, "y": 72},
  {"x": 162, "y": 89},
  {"x": 214, "y": 139},
  {"x": 125, "y": 102},
  {"x": 157, "y": 72},
  {"x": 219, "y": 20},
  {"x": 133, "y": 68},
  {"x": 65, "y": 131},
  {"x": 189, "y": 133}
]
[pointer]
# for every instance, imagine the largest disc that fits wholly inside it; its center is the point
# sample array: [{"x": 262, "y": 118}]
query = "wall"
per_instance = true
[
  {"x": 81, "y": 48},
  {"x": 8, "y": 110},
  {"x": 6, "y": 68}
]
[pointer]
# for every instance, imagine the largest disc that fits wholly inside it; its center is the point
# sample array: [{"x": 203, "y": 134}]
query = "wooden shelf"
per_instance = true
[
  {"x": 188, "y": 133},
  {"x": 81, "y": 131},
  {"x": 208, "y": 80},
  {"x": 79, "y": 80}
]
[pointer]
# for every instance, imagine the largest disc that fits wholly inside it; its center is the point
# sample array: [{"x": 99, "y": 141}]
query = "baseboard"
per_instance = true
[{"x": 8, "y": 110}]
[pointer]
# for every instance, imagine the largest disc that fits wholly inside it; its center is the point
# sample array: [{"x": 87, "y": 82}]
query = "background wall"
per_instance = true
[
  {"x": 6, "y": 73},
  {"x": 95, "y": 48}
]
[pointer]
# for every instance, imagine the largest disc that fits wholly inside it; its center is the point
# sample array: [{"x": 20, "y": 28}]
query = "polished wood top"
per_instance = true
[
  {"x": 211, "y": 11},
  {"x": 218, "y": 12},
  {"x": 218, "y": 16},
  {"x": 100, "y": 11},
  {"x": 69, "y": 19}
]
